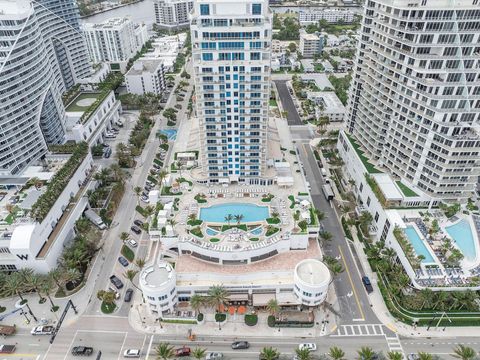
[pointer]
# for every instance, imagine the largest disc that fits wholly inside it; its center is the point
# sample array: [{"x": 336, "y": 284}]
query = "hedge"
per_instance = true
[
  {"x": 251, "y": 319},
  {"x": 220, "y": 317}
]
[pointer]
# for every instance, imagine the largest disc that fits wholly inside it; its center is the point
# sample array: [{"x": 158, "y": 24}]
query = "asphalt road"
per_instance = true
[{"x": 292, "y": 115}]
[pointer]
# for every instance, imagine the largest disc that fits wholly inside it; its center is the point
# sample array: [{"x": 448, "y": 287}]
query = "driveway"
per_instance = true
[{"x": 292, "y": 115}]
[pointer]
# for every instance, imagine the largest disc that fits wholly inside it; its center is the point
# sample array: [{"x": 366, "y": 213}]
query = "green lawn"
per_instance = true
[
  {"x": 128, "y": 253},
  {"x": 73, "y": 106},
  {"x": 371, "y": 169},
  {"x": 406, "y": 190},
  {"x": 272, "y": 102}
]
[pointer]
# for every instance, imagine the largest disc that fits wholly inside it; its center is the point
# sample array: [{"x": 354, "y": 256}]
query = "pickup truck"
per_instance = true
[
  {"x": 7, "y": 349},
  {"x": 42, "y": 330}
]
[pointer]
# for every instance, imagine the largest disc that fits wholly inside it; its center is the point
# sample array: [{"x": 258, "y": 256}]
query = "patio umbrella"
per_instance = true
[
  {"x": 231, "y": 310},
  {"x": 241, "y": 310}
]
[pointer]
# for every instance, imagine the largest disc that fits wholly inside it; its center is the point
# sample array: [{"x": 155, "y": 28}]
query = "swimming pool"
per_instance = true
[
  {"x": 170, "y": 133},
  {"x": 257, "y": 231},
  {"x": 461, "y": 232},
  {"x": 250, "y": 212},
  {"x": 418, "y": 245},
  {"x": 211, "y": 232}
]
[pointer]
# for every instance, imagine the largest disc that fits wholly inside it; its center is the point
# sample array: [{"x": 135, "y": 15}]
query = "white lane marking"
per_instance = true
[
  {"x": 71, "y": 344},
  {"x": 149, "y": 347},
  {"x": 123, "y": 344}
]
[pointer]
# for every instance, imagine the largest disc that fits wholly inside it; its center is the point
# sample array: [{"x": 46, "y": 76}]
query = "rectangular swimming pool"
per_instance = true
[{"x": 418, "y": 245}]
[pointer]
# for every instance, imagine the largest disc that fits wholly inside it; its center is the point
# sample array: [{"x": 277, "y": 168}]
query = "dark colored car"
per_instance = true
[
  {"x": 136, "y": 230},
  {"x": 128, "y": 295},
  {"x": 367, "y": 284},
  {"x": 123, "y": 261},
  {"x": 82, "y": 351},
  {"x": 138, "y": 222},
  {"x": 116, "y": 282},
  {"x": 240, "y": 345},
  {"x": 183, "y": 351}
]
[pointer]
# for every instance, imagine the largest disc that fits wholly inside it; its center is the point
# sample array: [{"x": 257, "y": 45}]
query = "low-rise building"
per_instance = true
[
  {"x": 146, "y": 76},
  {"x": 90, "y": 115},
  {"x": 310, "y": 44},
  {"x": 332, "y": 16},
  {"x": 38, "y": 216},
  {"x": 115, "y": 40},
  {"x": 166, "y": 49},
  {"x": 328, "y": 104}
]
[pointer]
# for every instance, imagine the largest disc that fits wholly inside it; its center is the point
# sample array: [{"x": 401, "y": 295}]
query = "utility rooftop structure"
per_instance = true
[
  {"x": 415, "y": 97},
  {"x": 231, "y": 58}
]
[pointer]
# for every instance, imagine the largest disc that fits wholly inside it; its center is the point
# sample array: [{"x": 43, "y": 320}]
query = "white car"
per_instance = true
[
  {"x": 131, "y": 353},
  {"x": 214, "y": 356},
  {"x": 42, "y": 330},
  {"x": 310, "y": 346},
  {"x": 132, "y": 243}
]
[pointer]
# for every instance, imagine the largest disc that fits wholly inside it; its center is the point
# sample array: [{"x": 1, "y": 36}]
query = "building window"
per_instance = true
[
  {"x": 207, "y": 56},
  {"x": 256, "y": 9},
  {"x": 376, "y": 216},
  {"x": 204, "y": 9}
]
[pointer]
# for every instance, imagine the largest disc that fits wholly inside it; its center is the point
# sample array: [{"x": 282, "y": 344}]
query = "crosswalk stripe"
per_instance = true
[{"x": 360, "y": 330}]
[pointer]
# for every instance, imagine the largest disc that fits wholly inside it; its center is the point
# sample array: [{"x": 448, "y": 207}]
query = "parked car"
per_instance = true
[
  {"x": 237, "y": 345},
  {"x": 214, "y": 356},
  {"x": 110, "y": 136},
  {"x": 128, "y": 295},
  {"x": 42, "y": 330},
  {"x": 310, "y": 346},
  {"x": 131, "y": 353},
  {"x": 136, "y": 229},
  {"x": 116, "y": 282},
  {"x": 183, "y": 351},
  {"x": 107, "y": 153},
  {"x": 138, "y": 222},
  {"x": 123, "y": 261},
  {"x": 82, "y": 351},
  {"x": 147, "y": 188},
  {"x": 149, "y": 183},
  {"x": 156, "y": 166},
  {"x": 367, "y": 284},
  {"x": 7, "y": 349},
  {"x": 132, "y": 243},
  {"x": 145, "y": 199}
]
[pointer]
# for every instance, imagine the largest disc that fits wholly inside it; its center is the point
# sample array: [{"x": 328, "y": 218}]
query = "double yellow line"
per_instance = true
[{"x": 357, "y": 300}]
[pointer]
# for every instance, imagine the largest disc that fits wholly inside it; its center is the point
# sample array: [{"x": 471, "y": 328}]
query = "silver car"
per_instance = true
[{"x": 214, "y": 356}]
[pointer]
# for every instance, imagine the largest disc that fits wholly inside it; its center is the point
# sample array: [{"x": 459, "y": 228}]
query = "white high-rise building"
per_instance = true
[
  {"x": 146, "y": 76},
  {"x": 414, "y": 102},
  {"x": 330, "y": 15},
  {"x": 41, "y": 56},
  {"x": 114, "y": 40},
  {"x": 172, "y": 14},
  {"x": 231, "y": 57}
]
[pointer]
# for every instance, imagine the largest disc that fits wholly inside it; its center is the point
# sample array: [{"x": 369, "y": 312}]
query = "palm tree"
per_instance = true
[
  {"x": 197, "y": 302},
  {"x": 424, "y": 356},
  {"x": 217, "y": 296},
  {"x": 192, "y": 217},
  {"x": 238, "y": 218},
  {"x": 324, "y": 237},
  {"x": 140, "y": 262},
  {"x": 229, "y": 218},
  {"x": 108, "y": 297},
  {"x": 34, "y": 281},
  {"x": 137, "y": 190},
  {"x": 57, "y": 276},
  {"x": 296, "y": 217},
  {"x": 13, "y": 285},
  {"x": 47, "y": 288},
  {"x": 269, "y": 353},
  {"x": 394, "y": 355},
  {"x": 165, "y": 351},
  {"x": 198, "y": 353},
  {"x": 273, "y": 307},
  {"x": 464, "y": 352},
  {"x": 303, "y": 354},
  {"x": 72, "y": 275},
  {"x": 336, "y": 353},
  {"x": 130, "y": 275},
  {"x": 124, "y": 236},
  {"x": 161, "y": 176},
  {"x": 366, "y": 353},
  {"x": 320, "y": 214}
]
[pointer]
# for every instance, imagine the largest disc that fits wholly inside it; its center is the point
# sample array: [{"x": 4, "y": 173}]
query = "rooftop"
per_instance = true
[
  {"x": 388, "y": 187},
  {"x": 142, "y": 65},
  {"x": 313, "y": 272},
  {"x": 321, "y": 80},
  {"x": 13, "y": 7},
  {"x": 82, "y": 102},
  {"x": 157, "y": 274},
  {"x": 109, "y": 23},
  {"x": 328, "y": 98}
]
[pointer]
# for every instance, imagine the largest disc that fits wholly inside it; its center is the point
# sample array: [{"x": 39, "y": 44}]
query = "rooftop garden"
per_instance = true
[
  {"x": 406, "y": 190},
  {"x": 371, "y": 169},
  {"x": 76, "y": 104},
  {"x": 58, "y": 182},
  {"x": 376, "y": 190}
]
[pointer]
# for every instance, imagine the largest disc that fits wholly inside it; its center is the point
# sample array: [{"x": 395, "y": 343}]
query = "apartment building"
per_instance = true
[
  {"x": 310, "y": 44},
  {"x": 114, "y": 40},
  {"x": 41, "y": 57},
  {"x": 172, "y": 14},
  {"x": 414, "y": 103},
  {"x": 332, "y": 16},
  {"x": 146, "y": 76},
  {"x": 231, "y": 59}
]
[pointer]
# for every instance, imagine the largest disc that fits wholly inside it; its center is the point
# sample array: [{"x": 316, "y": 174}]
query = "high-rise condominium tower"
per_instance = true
[
  {"x": 415, "y": 99},
  {"x": 231, "y": 57},
  {"x": 172, "y": 14},
  {"x": 41, "y": 56}
]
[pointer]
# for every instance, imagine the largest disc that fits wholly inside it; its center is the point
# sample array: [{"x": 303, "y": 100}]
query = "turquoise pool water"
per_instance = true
[
  {"x": 462, "y": 234},
  {"x": 418, "y": 245},
  {"x": 211, "y": 232},
  {"x": 250, "y": 212},
  {"x": 171, "y": 133},
  {"x": 256, "y": 231}
]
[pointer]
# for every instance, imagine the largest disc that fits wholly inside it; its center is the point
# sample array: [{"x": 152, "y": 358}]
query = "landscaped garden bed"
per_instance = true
[
  {"x": 251, "y": 319},
  {"x": 128, "y": 253}
]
